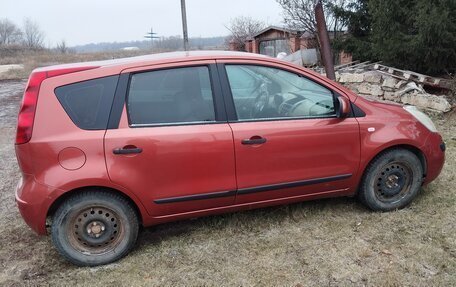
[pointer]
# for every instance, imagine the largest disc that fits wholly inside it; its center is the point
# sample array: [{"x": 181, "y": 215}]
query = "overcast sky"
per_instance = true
[{"x": 92, "y": 21}]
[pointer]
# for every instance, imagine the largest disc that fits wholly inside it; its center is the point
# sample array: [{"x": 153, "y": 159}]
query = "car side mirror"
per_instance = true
[{"x": 343, "y": 107}]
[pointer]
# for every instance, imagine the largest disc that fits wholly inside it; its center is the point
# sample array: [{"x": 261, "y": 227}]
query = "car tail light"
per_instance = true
[{"x": 27, "y": 112}]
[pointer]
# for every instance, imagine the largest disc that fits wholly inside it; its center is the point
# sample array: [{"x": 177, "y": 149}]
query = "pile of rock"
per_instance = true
[{"x": 376, "y": 85}]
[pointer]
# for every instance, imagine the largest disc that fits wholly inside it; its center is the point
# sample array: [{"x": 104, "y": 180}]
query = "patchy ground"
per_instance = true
[{"x": 334, "y": 242}]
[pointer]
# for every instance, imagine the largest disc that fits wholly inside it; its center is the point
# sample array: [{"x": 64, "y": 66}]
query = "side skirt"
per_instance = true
[
  {"x": 247, "y": 206},
  {"x": 250, "y": 190}
]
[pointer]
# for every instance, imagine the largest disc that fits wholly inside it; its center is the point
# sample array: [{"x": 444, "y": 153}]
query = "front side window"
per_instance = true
[
  {"x": 178, "y": 95},
  {"x": 267, "y": 93}
]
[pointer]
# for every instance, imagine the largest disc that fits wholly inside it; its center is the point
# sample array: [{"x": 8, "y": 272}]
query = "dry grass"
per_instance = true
[
  {"x": 334, "y": 242},
  {"x": 34, "y": 59}
]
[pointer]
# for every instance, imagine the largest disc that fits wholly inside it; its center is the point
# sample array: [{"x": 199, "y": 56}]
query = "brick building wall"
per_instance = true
[{"x": 293, "y": 40}]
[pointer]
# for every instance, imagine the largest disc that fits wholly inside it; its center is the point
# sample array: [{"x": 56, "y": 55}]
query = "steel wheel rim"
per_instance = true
[
  {"x": 95, "y": 230},
  {"x": 393, "y": 182}
]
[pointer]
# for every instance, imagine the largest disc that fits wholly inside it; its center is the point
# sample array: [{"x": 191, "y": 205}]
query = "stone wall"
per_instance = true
[{"x": 375, "y": 85}]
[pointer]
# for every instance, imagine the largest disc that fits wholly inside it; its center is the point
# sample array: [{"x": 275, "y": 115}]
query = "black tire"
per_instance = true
[
  {"x": 94, "y": 228},
  {"x": 392, "y": 180}
]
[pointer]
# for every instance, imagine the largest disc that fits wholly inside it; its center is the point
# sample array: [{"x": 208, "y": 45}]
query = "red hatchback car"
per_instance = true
[{"x": 105, "y": 147}]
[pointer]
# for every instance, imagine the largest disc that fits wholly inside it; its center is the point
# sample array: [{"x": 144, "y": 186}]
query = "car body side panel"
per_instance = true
[
  {"x": 389, "y": 125},
  {"x": 49, "y": 171},
  {"x": 175, "y": 161},
  {"x": 178, "y": 160},
  {"x": 300, "y": 154},
  {"x": 34, "y": 199},
  {"x": 54, "y": 131},
  {"x": 44, "y": 178},
  {"x": 296, "y": 150}
]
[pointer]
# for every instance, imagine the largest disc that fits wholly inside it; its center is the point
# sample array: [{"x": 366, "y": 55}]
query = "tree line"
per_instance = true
[
  {"x": 29, "y": 35},
  {"x": 163, "y": 44}
]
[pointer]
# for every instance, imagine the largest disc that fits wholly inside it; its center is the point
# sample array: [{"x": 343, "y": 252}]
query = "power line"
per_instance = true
[{"x": 151, "y": 35}]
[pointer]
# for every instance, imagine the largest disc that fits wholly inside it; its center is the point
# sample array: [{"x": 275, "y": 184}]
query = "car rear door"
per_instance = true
[
  {"x": 173, "y": 147},
  {"x": 288, "y": 141}
]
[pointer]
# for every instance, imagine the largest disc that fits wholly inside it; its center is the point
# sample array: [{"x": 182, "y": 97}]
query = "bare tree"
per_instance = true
[
  {"x": 242, "y": 28},
  {"x": 172, "y": 43},
  {"x": 62, "y": 47},
  {"x": 300, "y": 15},
  {"x": 9, "y": 32},
  {"x": 33, "y": 35}
]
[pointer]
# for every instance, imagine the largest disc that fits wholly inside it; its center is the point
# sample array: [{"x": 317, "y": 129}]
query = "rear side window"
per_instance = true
[
  {"x": 171, "y": 96},
  {"x": 88, "y": 103}
]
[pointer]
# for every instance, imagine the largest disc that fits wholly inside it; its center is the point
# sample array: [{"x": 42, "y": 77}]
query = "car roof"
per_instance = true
[{"x": 160, "y": 58}]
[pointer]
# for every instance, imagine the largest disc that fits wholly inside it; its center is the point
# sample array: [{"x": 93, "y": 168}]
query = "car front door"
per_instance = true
[
  {"x": 173, "y": 147},
  {"x": 288, "y": 141}
]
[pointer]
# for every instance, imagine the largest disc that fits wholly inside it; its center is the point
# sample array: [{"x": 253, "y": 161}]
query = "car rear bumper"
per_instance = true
[
  {"x": 33, "y": 201},
  {"x": 434, "y": 151}
]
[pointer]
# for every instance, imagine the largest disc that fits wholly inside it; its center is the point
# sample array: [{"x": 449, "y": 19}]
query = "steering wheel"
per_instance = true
[{"x": 261, "y": 103}]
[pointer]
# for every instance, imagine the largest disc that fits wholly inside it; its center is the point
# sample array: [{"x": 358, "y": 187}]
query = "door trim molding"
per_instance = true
[
  {"x": 200, "y": 196},
  {"x": 250, "y": 190},
  {"x": 292, "y": 184}
]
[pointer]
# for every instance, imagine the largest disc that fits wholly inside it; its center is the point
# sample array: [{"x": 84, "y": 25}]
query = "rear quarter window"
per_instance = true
[{"x": 88, "y": 103}]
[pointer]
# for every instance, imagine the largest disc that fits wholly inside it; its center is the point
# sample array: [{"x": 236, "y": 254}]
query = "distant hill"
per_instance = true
[{"x": 171, "y": 43}]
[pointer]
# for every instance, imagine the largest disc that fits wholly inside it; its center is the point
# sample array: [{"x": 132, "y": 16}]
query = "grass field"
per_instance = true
[
  {"x": 34, "y": 59},
  {"x": 335, "y": 242}
]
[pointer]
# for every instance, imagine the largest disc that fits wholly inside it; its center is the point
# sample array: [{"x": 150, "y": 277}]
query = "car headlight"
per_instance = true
[{"x": 421, "y": 117}]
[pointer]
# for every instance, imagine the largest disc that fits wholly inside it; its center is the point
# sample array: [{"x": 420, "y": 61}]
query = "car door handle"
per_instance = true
[
  {"x": 254, "y": 140},
  {"x": 127, "y": 150}
]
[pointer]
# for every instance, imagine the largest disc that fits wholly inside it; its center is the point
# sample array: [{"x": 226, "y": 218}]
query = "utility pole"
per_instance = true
[
  {"x": 151, "y": 35},
  {"x": 324, "y": 41},
  {"x": 184, "y": 24}
]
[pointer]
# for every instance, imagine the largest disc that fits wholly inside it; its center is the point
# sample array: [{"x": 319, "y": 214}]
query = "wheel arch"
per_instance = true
[
  {"x": 64, "y": 196},
  {"x": 417, "y": 151}
]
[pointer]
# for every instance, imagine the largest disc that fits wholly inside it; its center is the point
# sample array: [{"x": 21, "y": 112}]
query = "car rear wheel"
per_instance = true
[
  {"x": 94, "y": 228},
  {"x": 392, "y": 180}
]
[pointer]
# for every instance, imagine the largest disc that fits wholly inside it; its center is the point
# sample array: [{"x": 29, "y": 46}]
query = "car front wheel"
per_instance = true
[
  {"x": 392, "y": 180},
  {"x": 94, "y": 228}
]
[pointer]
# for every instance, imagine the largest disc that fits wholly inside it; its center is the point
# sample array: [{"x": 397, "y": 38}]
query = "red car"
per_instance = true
[{"x": 105, "y": 147}]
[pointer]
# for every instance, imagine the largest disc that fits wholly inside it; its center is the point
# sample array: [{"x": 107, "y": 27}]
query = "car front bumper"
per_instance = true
[{"x": 434, "y": 150}]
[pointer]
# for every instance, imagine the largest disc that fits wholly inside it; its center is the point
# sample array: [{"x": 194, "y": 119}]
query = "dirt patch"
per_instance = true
[
  {"x": 335, "y": 242},
  {"x": 10, "y": 97}
]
